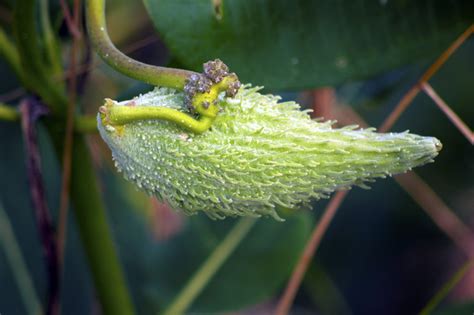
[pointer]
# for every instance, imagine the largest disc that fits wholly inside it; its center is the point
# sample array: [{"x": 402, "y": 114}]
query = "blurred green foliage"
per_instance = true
[{"x": 305, "y": 44}]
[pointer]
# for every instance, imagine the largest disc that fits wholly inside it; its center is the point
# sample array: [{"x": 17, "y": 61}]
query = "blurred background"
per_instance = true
[{"x": 382, "y": 253}]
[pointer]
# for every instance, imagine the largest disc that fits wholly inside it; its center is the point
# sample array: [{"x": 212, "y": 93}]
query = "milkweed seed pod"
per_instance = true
[{"x": 258, "y": 156}]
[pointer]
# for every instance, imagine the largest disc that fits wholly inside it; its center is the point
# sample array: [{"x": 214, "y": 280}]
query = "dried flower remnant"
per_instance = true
[
  {"x": 259, "y": 155},
  {"x": 215, "y": 76}
]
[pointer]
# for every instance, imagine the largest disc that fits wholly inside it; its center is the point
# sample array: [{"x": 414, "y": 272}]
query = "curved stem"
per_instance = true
[
  {"x": 159, "y": 76},
  {"x": 117, "y": 115},
  {"x": 217, "y": 258}
]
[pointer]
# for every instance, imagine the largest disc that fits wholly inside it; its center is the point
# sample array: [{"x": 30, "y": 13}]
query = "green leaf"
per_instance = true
[{"x": 303, "y": 44}]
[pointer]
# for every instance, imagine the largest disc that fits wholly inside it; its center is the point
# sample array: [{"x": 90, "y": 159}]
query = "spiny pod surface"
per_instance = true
[{"x": 258, "y": 156}]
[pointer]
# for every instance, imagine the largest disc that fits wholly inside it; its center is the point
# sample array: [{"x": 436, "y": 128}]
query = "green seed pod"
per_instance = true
[{"x": 259, "y": 155}]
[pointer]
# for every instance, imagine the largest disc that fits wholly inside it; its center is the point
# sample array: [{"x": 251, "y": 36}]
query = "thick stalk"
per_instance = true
[
  {"x": 159, "y": 76},
  {"x": 96, "y": 235}
]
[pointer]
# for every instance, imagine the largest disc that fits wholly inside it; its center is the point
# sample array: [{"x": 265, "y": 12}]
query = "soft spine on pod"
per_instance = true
[{"x": 258, "y": 156}]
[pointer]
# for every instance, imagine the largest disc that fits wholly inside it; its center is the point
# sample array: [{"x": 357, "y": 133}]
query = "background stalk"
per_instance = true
[
  {"x": 209, "y": 268},
  {"x": 107, "y": 274},
  {"x": 96, "y": 235}
]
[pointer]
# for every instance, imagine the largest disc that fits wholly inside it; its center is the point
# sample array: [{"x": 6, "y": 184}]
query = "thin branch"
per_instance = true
[
  {"x": 322, "y": 101},
  {"x": 406, "y": 100},
  {"x": 462, "y": 127},
  {"x": 209, "y": 268},
  {"x": 68, "y": 137},
  {"x": 31, "y": 110},
  {"x": 446, "y": 288},
  {"x": 12, "y": 94},
  {"x": 285, "y": 302},
  {"x": 71, "y": 21},
  {"x": 447, "y": 53},
  {"x": 438, "y": 211},
  {"x": 86, "y": 62},
  {"x": 413, "y": 92},
  {"x": 309, "y": 251},
  {"x": 426, "y": 198}
]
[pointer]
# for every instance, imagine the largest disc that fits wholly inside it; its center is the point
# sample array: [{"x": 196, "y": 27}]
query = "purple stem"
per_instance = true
[{"x": 31, "y": 110}]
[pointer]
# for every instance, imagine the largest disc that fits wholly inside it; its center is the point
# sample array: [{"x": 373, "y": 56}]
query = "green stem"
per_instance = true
[
  {"x": 10, "y": 53},
  {"x": 447, "y": 287},
  {"x": 85, "y": 124},
  {"x": 36, "y": 75},
  {"x": 51, "y": 44},
  {"x": 8, "y": 113},
  {"x": 117, "y": 115},
  {"x": 18, "y": 265},
  {"x": 82, "y": 124},
  {"x": 204, "y": 104},
  {"x": 158, "y": 76},
  {"x": 96, "y": 235},
  {"x": 208, "y": 269}
]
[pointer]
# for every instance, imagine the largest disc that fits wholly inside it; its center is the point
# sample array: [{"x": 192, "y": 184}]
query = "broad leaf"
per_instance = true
[{"x": 303, "y": 44}]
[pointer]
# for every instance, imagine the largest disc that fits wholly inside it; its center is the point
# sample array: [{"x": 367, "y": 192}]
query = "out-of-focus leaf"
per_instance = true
[
  {"x": 303, "y": 44},
  {"x": 159, "y": 270}
]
